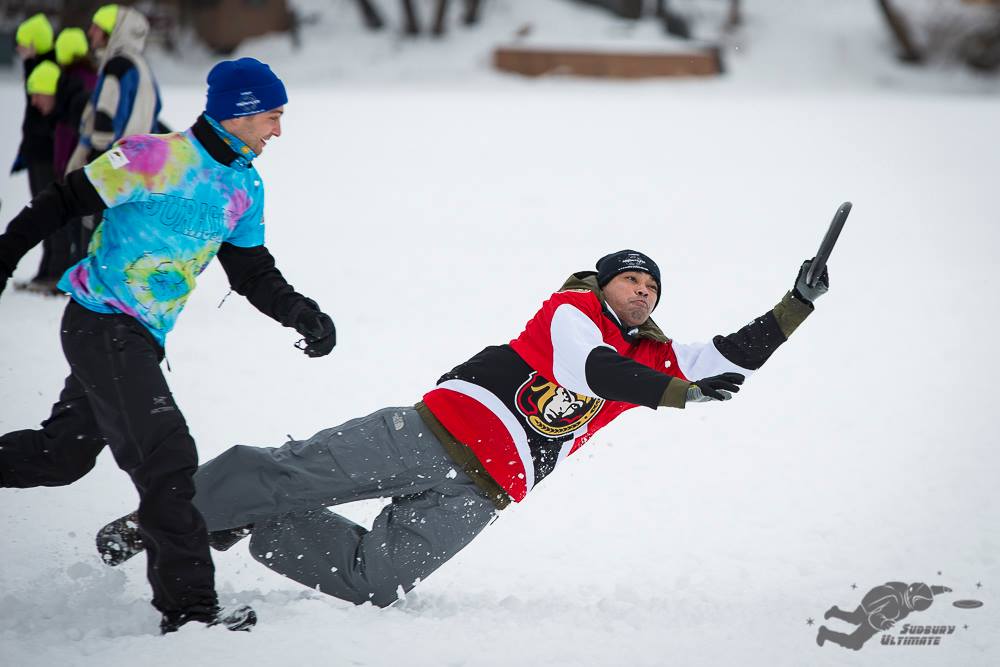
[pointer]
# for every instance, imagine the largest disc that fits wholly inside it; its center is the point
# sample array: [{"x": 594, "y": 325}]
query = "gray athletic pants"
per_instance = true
[{"x": 284, "y": 492}]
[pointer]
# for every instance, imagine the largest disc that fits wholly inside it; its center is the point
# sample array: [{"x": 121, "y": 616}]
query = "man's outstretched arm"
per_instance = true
[
  {"x": 54, "y": 206},
  {"x": 252, "y": 273},
  {"x": 751, "y": 346},
  {"x": 619, "y": 378},
  {"x": 583, "y": 362},
  {"x": 722, "y": 364},
  {"x": 754, "y": 344}
]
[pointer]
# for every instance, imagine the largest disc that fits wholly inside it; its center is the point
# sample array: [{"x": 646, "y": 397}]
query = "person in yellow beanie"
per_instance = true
[
  {"x": 42, "y": 85},
  {"x": 34, "y": 36},
  {"x": 79, "y": 77},
  {"x": 71, "y": 45},
  {"x": 34, "y": 45},
  {"x": 60, "y": 93},
  {"x": 102, "y": 26},
  {"x": 126, "y": 99},
  {"x": 34, "y": 154},
  {"x": 74, "y": 56}
]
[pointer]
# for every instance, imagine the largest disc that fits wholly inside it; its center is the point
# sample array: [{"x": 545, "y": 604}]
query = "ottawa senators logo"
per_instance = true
[{"x": 553, "y": 411}]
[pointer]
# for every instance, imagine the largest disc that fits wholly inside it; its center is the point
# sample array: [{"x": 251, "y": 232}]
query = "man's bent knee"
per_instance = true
[{"x": 342, "y": 583}]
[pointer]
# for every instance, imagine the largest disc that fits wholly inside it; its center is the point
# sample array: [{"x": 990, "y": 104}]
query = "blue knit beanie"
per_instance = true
[{"x": 242, "y": 88}]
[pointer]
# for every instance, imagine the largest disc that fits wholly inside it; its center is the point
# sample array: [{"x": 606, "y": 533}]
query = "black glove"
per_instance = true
[
  {"x": 803, "y": 292},
  {"x": 716, "y": 388},
  {"x": 318, "y": 330}
]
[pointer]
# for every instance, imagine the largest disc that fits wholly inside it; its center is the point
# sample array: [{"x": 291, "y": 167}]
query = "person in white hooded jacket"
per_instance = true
[{"x": 126, "y": 100}]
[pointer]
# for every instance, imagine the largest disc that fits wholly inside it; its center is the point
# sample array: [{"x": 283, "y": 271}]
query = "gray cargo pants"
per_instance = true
[{"x": 284, "y": 492}]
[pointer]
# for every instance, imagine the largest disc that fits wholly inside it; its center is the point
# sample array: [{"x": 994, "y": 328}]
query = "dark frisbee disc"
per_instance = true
[{"x": 967, "y": 604}]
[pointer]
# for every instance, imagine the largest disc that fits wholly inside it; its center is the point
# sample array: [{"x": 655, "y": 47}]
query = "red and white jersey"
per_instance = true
[{"x": 524, "y": 407}]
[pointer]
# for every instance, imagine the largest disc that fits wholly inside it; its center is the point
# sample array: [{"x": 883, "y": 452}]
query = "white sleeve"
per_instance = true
[
  {"x": 574, "y": 337},
  {"x": 702, "y": 360}
]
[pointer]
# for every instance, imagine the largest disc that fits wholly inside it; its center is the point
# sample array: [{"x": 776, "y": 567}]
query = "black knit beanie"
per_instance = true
[{"x": 611, "y": 265}]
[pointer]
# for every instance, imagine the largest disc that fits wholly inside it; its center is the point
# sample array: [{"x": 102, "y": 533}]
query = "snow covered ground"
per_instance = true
[{"x": 430, "y": 205}]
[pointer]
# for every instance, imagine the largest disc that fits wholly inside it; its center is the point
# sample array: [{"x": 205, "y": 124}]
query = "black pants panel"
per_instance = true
[
  {"x": 115, "y": 363},
  {"x": 61, "y": 452}
]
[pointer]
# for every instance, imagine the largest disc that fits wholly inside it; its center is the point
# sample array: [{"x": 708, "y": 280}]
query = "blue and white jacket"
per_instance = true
[{"x": 126, "y": 100}]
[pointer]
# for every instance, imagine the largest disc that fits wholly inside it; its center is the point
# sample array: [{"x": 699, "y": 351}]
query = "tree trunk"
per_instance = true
[
  {"x": 901, "y": 30},
  {"x": 472, "y": 8},
  {"x": 440, "y": 17},
  {"x": 735, "y": 19},
  {"x": 412, "y": 26},
  {"x": 370, "y": 16}
]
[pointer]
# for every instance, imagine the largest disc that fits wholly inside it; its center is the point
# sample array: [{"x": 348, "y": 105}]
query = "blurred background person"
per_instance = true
[
  {"x": 126, "y": 99},
  {"x": 77, "y": 83},
  {"x": 34, "y": 45},
  {"x": 59, "y": 92},
  {"x": 78, "y": 80},
  {"x": 118, "y": 38}
]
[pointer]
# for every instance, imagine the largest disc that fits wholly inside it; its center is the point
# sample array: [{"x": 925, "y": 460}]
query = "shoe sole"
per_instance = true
[
  {"x": 242, "y": 625},
  {"x": 113, "y": 548}
]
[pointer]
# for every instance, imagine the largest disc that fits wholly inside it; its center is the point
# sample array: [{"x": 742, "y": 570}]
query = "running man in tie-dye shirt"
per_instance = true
[{"x": 170, "y": 203}]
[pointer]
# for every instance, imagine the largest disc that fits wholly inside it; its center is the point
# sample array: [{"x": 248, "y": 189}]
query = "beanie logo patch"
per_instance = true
[
  {"x": 248, "y": 104},
  {"x": 634, "y": 261}
]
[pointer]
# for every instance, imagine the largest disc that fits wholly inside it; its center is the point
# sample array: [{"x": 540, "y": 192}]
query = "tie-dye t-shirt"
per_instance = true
[{"x": 170, "y": 207}]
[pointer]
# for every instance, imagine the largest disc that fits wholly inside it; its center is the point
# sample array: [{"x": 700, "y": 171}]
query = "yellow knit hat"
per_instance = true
[
  {"x": 44, "y": 79},
  {"x": 105, "y": 18},
  {"x": 36, "y": 32},
  {"x": 70, "y": 45}
]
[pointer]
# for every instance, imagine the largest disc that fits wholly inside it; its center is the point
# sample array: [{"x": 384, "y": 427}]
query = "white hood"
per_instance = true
[{"x": 129, "y": 35}]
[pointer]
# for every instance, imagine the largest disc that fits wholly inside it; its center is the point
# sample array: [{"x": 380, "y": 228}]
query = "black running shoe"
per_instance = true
[
  {"x": 240, "y": 618},
  {"x": 120, "y": 540}
]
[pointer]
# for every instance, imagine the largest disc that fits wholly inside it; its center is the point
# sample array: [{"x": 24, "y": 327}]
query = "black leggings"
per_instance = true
[{"x": 117, "y": 395}]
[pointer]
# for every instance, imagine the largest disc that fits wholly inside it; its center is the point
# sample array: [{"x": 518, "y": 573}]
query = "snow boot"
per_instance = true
[
  {"x": 43, "y": 286},
  {"x": 120, "y": 540},
  {"x": 240, "y": 618}
]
